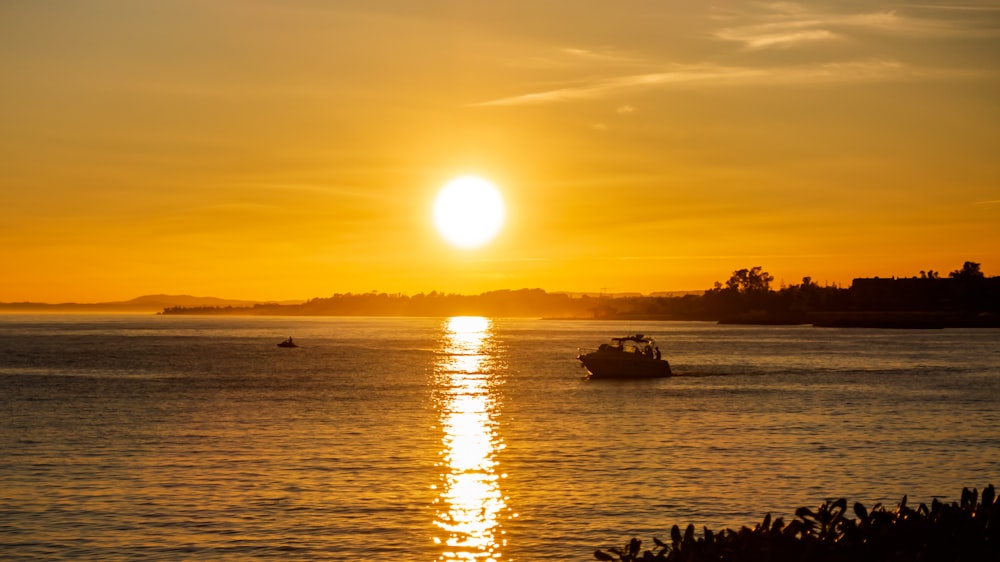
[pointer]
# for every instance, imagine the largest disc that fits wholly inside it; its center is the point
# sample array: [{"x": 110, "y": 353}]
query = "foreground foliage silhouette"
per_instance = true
[{"x": 966, "y": 531}]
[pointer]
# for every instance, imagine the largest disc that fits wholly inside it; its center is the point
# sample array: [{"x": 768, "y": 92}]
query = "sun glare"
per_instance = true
[
  {"x": 471, "y": 506},
  {"x": 469, "y": 212}
]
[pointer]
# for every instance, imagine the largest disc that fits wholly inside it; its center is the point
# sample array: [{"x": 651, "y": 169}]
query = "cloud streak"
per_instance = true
[
  {"x": 791, "y": 24},
  {"x": 758, "y": 40},
  {"x": 714, "y": 75}
]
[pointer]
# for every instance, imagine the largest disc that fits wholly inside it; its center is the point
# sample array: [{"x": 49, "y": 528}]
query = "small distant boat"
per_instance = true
[
  {"x": 634, "y": 356},
  {"x": 287, "y": 343}
]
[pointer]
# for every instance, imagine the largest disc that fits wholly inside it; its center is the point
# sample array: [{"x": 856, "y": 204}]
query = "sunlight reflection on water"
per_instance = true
[{"x": 470, "y": 504}]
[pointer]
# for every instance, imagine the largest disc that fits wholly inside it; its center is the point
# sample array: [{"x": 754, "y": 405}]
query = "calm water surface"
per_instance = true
[{"x": 168, "y": 438}]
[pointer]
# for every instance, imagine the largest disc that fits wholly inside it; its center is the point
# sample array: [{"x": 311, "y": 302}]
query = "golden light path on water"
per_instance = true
[{"x": 470, "y": 502}]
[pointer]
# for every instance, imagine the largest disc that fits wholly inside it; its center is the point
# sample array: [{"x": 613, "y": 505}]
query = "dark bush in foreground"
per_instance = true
[{"x": 966, "y": 531}]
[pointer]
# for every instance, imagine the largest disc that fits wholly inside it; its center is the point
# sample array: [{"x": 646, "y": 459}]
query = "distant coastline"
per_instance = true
[
  {"x": 965, "y": 298},
  {"x": 868, "y": 303},
  {"x": 147, "y": 304}
]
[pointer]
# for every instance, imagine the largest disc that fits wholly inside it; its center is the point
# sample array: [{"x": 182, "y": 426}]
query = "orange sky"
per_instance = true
[{"x": 292, "y": 149}]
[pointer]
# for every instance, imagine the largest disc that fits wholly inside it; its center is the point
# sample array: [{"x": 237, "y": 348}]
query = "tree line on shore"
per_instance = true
[{"x": 965, "y": 298}]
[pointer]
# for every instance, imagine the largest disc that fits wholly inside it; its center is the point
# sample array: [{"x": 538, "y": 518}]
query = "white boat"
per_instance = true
[{"x": 635, "y": 356}]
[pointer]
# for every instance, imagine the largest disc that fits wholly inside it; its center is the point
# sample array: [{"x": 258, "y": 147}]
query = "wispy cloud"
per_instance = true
[
  {"x": 788, "y": 24},
  {"x": 600, "y": 56},
  {"x": 677, "y": 75},
  {"x": 713, "y": 75},
  {"x": 960, "y": 7},
  {"x": 757, "y": 40},
  {"x": 570, "y": 57}
]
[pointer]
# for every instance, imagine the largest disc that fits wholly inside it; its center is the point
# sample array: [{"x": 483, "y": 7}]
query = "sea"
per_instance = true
[{"x": 130, "y": 437}]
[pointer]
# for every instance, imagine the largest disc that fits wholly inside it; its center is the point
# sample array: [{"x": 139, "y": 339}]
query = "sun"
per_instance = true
[{"x": 469, "y": 211}]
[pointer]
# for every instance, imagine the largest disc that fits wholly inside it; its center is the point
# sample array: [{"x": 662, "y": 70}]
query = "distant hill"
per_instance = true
[{"x": 143, "y": 304}]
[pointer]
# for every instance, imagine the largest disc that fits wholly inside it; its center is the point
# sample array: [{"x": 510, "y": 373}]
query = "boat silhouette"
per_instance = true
[{"x": 634, "y": 356}]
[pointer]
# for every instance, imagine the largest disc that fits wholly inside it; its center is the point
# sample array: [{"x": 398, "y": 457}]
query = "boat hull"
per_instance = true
[{"x": 620, "y": 365}]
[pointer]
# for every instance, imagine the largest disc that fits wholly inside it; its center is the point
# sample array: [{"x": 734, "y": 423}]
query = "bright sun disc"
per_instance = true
[{"x": 469, "y": 211}]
